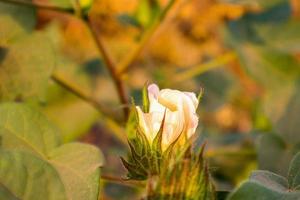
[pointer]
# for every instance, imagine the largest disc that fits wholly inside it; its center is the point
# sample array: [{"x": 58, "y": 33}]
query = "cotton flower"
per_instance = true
[{"x": 179, "y": 109}]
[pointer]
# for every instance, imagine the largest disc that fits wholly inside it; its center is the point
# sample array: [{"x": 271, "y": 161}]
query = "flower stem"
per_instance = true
[{"x": 121, "y": 181}]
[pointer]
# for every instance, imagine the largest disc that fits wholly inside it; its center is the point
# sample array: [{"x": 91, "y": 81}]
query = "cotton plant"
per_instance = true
[
  {"x": 160, "y": 144},
  {"x": 164, "y": 127}
]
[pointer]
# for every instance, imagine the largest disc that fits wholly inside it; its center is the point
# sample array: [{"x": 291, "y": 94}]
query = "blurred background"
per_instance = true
[{"x": 243, "y": 53}]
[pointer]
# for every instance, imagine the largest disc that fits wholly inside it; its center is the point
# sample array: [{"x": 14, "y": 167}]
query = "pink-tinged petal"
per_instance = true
[
  {"x": 153, "y": 91},
  {"x": 173, "y": 127},
  {"x": 193, "y": 97},
  {"x": 193, "y": 124}
]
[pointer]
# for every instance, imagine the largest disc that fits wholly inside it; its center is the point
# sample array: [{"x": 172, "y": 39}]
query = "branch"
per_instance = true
[
  {"x": 80, "y": 93},
  {"x": 128, "y": 61},
  {"x": 202, "y": 68},
  {"x": 37, "y": 5},
  {"x": 110, "y": 65},
  {"x": 121, "y": 181}
]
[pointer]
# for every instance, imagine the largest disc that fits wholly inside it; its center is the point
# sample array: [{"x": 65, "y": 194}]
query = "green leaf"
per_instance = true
[
  {"x": 287, "y": 40},
  {"x": 264, "y": 3},
  {"x": 26, "y": 129},
  {"x": 270, "y": 179},
  {"x": 15, "y": 20},
  {"x": 294, "y": 172},
  {"x": 267, "y": 185},
  {"x": 26, "y": 176},
  {"x": 70, "y": 4},
  {"x": 31, "y": 144},
  {"x": 253, "y": 190},
  {"x": 75, "y": 118},
  {"x": 26, "y": 68},
  {"x": 78, "y": 166},
  {"x": 275, "y": 146},
  {"x": 147, "y": 12}
]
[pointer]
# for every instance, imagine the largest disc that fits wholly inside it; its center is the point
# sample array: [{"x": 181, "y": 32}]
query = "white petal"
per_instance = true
[
  {"x": 193, "y": 97},
  {"x": 144, "y": 123},
  {"x": 171, "y": 99}
]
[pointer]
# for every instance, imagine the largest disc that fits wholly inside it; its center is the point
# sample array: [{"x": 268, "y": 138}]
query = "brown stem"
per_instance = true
[{"x": 111, "y": 68}]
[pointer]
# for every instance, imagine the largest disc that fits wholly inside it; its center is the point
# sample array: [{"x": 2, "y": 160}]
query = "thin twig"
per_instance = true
[
  {"x": 121, "y": 181},
  {"x": 37, "y": 5},
  {"x": 128, "y": 61},
  {"x": 111, "y": 68},
  {"x": 80, "y": 93},
  {"x": 202, "y": 68}
]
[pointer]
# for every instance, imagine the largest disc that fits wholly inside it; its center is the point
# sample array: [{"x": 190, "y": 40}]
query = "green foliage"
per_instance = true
[
  {"x": 147, "y": 12},
  {"x": 70, "y": 4},
  {"x": 270, "y": 145},
  {"x": 266, "y": 43},
  {"x": 264, "y": 3},
  {"x": 27, "y": 60},
  {"x": 33, "y": 160},
  {"x": 15, "y": 20},
  {"x": 267, "y": 185}
]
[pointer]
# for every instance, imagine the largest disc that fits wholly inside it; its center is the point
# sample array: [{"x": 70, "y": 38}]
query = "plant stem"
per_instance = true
[
  {"x": 111, "y": 68},
  {"x": 202, "y": 68},
  {"x": 37, "y": 5},
  {"x": 109, "y": 122},
  {"x": 128, "y": 61},
  {"x": 121, "y": 181}
]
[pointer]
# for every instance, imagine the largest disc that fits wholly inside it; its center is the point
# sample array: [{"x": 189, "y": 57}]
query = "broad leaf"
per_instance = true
[
  {"x": 267, "y": 185},
  {"x": 275, "y": 146},
  {"x": 16, "y": 19},
  {"x": 26, "y": 176},
  {"x": 253, "y": 190},
  {"x": 26, "y": 68},
  {"x": 31, "y": 144},
  {"x": 25, "y": 129},
  {"x": 294, "y": 172},
  {"x": 78, "y": 166}
]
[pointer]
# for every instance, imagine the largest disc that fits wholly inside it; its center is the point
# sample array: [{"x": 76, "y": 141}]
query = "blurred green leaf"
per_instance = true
[
  {"x": 32, "y": 154},
  {"x": 283, "y": 36},
  {"x": 294, "y": 172},
  {"x": 26, "y": 68},
  {"x": 147, "y": 12},
  {"x": 75, "y": 118},
  {"x": 69, "y": 4},
  {"x": 261, "y": 3},
  {"x": 16, "y": 19},
  {"x": 270, "y": 145}
]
